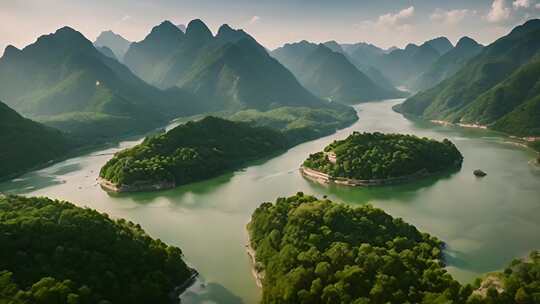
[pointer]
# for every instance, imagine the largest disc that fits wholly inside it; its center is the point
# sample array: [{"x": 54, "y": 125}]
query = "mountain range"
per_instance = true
[
  {"x": 230, "y": 71},
  {"x": 500, "y": 87},
  {"x": 329, "y": 74},
  {"x": 64, "y": 81}
]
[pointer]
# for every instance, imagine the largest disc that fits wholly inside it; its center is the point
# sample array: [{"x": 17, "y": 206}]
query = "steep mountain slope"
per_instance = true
[
  {"x": 62, "y": 80},
  {"x": 329, "y": 74},
  {"x": 26, "y": 144},
  {"x": 499, "y": 86},
  {"x": 230, "y": 71},
  {"x": 118, "y": 44},
  {"x": 447, "y": 65}
]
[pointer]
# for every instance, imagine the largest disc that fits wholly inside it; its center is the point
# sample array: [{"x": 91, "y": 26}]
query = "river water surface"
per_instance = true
[{"x": 485, "y": 222}]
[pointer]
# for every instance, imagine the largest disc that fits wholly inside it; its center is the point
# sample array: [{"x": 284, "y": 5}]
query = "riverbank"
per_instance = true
[
  {"x": 256, "y": 270},
  {"x": 325, "y": 179},
  {"x": 116, "y": 188}
]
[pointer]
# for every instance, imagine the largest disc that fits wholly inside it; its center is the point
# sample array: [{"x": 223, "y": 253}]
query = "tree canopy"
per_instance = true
[
  {"x": 192, "y": 151},
  {"x": 55, "y": 253},
  {"x": 381, "y": 156}
]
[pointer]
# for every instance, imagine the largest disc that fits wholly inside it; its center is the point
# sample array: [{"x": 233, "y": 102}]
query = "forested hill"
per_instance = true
[
  {"x": 317, "y": 251},
  {"x": 26, "y": 144},
  {"x": 191, "y": 152},
  {"x": 55, "y": 253},
  {"x": 498, "y": 88},
  {"x": 369, "y": 156}
]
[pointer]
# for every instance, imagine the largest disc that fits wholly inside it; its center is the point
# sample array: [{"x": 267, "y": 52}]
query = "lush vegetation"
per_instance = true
[
  {"x": 26, "y": 144},
  {"x": 317, "y": 251},
  {"x": 300, "y": 124},
  {"x": 191, "y": 152},
  {"x": 381, "y": 156},
  {"x": 55, "y": 253},
  {"x": 329, "y": 74},
  {"x": 498, "y": 88}
]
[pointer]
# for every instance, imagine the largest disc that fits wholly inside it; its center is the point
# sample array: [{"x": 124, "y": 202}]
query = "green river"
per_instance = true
[{"x": 485, "y": 222}]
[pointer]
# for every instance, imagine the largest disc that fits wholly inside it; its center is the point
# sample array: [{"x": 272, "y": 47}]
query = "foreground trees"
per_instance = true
[
  {"x": 54, "y": 253},
  {"x": 318, "y": 251}
]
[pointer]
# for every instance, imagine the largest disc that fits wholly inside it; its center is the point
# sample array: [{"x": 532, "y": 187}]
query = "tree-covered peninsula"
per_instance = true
[
  {"x": 377, "y": 159},
  {"x": 54, "y": 252},
  {"x": 308, "y": 250},
  {"x": 190, "y": 152},
  {"x": 318, "y": 251}
]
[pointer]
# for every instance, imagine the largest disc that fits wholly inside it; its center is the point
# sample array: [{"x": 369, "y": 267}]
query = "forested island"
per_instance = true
[
  {"x": 190, "y": 152},
  {"x": 54, "y": 252},
  {"x": 308, "y": 250},
  {"x": 318, "y": 251},
  {"x": 370, "y": 159}
]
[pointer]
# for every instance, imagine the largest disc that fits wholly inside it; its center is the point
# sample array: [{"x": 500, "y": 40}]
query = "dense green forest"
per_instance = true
[
  {"x": 26, "y": 144},
  {"x": 55, "y": 253},
  {"x": 498, "y": 88},
  {"x": 380, "y": 156},
  {"x": 317, "y": 251},
  {"x": 191, "y": 152}
]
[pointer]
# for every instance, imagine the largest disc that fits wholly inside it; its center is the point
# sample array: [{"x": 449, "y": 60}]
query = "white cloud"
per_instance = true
[
  {"x": 521, "y": 4},
  {"x": 254, "y": 19},
  {"x": 395, "y": 19},
  {"x": 450, "y": 17},
  {"x": 125, "y": 18},
  {"x": 391, "y": 22},
  {"x": 498, "y": 12}
]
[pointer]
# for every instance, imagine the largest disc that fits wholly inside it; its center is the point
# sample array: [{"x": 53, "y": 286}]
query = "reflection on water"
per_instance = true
[{"x": 485, "y": 222}]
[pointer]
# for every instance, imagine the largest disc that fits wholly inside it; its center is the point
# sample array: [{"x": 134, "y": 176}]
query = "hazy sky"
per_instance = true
[{"x": 273, "y": 22}]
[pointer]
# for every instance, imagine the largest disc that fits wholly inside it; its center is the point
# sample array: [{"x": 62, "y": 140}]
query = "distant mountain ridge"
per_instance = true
[
  {"x": 447, "y": 65},
  {"x": 330, "y": 74},
  {"x": 399, "y": 66},
  {"x": 116, "y": 43},
  {"x": 500, "y": 87}
]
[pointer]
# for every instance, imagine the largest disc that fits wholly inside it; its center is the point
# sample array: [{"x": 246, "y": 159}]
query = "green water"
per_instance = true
[{"x": 485, "y": 222}]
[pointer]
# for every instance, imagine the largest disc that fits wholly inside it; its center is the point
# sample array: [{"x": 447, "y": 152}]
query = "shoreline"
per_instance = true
[
  {"x": 109, "y": 186},
  {"x": 258, "y": 275},
  {"x": 326, "y": 179}
]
